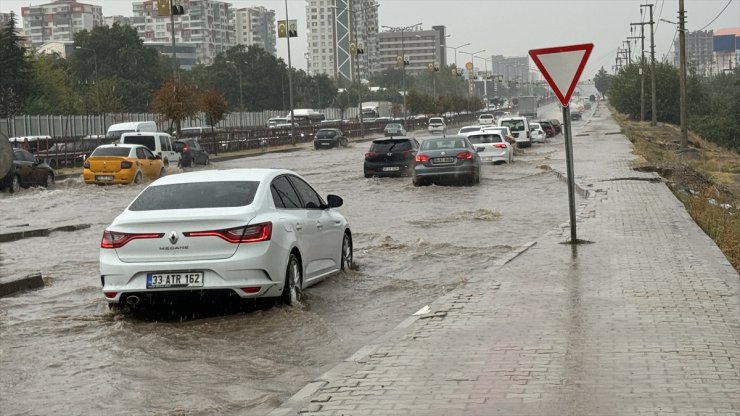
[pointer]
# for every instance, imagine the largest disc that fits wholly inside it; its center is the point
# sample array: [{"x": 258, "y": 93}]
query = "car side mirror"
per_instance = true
[
  {"x": 334, "y": 201},
  {"x": 158, "y": 157}
]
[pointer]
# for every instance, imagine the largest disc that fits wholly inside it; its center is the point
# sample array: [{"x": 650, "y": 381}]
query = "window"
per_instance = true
[
  {"x": 111, "y": 151},
  {"x": 140, "y": 153},
  {"x": 283, "y": 194},
  {"x": 196, "y": 195},
  {"x": 311, "y": 200}
]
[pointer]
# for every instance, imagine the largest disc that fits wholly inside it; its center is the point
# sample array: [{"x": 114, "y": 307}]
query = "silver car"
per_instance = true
[
  {"x": 446, "y": 158},
  {"x": 249, "y": 233},
  {"x": 394, "y": 129}
]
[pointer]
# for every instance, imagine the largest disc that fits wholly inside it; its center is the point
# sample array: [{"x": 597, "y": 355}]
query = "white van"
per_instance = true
[
  {"x": 519, "y": 127},
  {"x": 116, "y": 130},
  {"x": 159, "y": 143}
]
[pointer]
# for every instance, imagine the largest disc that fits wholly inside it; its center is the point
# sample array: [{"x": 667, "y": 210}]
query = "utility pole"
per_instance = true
[
  {"x": 654, "y": 104},
  {"x": 642, "y": 66},
  {"x": 682, "y": 73},
  {"x": 629, "y": 51}
]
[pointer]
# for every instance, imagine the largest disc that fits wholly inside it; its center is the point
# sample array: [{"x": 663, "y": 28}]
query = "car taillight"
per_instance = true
[
  {"x": 126, "y": 164},
  {"x": 246, "y": 234},
  {"x": 113, "y": 239},
  {"x": 422, "y": 158},
  {"x": 369, "y": 155},
  {"x": 185, "y": 150},
  {"x": 465, "y": 155},
  {"x": 500, "y": 145},
  {"x": 86, "y": 165}
]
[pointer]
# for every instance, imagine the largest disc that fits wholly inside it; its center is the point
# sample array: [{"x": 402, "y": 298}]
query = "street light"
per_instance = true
[
  {"x": 241, "y": 93},
  {"x": 404, "y": 62},
  {"x": 470, "y": 79},
  {"x": 456, "y": 48},
  {"x": 95, "y": 60}
]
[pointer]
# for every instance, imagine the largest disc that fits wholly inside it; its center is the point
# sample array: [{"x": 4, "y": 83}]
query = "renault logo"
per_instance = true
[{"x": 173, "y": 237}]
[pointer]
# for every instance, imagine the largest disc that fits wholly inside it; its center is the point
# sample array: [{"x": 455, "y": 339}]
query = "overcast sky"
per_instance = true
[{"x": 504, "y": 27}]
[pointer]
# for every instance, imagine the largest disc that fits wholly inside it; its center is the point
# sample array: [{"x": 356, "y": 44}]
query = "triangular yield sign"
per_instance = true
[{"x": 562, "y": 67}]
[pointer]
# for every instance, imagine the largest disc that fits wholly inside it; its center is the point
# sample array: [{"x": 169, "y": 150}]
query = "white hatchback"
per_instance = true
[
  {"x": 491, "y": 147},
  {"x": 249, "y": 232}
]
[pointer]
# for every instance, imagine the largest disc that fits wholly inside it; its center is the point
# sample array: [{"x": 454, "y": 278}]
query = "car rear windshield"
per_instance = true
[
  {"x": 196, "y": 195},
  {"x": 485, "y": 138},
  {"x": 469, "y": 129},
  {"x": 435, "y": 120},
  {"x": 111, "y": 151},
  {"x": 441, "y": 144},
  {"x": 513, "y": 125},
  {"x": 385, "y": 146},
  {"x": 487, "y": 116},
  {"x": 147, "y": 141},
  {"x": 326, "y": 133}
]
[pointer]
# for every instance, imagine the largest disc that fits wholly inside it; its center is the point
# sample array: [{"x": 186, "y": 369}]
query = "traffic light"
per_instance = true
[{"x": 177, "y": 8}]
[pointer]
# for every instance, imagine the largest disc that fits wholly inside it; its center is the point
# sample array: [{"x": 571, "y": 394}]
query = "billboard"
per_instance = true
[{"x": 724, "y": 43}]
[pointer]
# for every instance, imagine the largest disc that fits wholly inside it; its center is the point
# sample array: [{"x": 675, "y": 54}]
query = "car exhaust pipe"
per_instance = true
[{"x": 132, "y": 300}]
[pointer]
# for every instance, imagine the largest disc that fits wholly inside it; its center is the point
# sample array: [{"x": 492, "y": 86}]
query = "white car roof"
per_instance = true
[
  {"x": 126, "y": 145},
  {"x": 257, "y": 175}
]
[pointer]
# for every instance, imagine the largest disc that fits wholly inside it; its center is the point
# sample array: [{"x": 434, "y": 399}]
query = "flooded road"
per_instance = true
[{"x": 63, "y": 352}]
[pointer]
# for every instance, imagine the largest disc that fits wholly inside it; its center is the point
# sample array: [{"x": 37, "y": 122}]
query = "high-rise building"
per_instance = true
[
  {"x": 510, "y": 68},
  {"x": 121, "y": 20},
  {"x": 5, "y": 18},
  {"x": 207, "y": 24},
  {"x": 421, "y": 47},
  {"x": 256, "y": 26},
  {"x": 59, "y": 20},
  {"x": 442, "y": 46},
  {"x": 698, "y": 50},
  {"x": 332, "y": 27}
]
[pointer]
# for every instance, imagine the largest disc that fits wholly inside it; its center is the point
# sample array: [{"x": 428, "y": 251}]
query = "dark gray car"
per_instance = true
[
  {"x": 328, "y": 138},
  {"x": 446, "y": 158}
]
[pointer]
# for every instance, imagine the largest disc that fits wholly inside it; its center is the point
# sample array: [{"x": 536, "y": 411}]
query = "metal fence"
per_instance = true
[{"x": 84, "y": 125}]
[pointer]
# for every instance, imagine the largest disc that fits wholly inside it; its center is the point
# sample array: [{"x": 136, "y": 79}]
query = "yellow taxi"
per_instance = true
[{"x": 121, "y": 164}]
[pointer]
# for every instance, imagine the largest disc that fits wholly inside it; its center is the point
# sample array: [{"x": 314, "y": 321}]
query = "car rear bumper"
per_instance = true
[
  {"x": 401, "y": 168},
  {"x": 421, "y": 171},
  {"x": 325, "y": 144},
  {"x": 253, "y": 267},
  {"x": 494, "y": 157}
]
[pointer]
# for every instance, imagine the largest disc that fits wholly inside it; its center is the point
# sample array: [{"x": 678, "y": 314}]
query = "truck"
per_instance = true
[
  {"x": 527, "y": 106},
  {"x": 376, "y": 109},
  {"x": 305, "y": 116}
]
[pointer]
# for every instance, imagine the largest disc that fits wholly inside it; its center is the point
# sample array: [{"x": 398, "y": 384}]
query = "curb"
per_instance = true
[
  {"x": 9, "y": 286},
  {"x": 585, "y": 193},
  {"x": 39, "y": 232}
]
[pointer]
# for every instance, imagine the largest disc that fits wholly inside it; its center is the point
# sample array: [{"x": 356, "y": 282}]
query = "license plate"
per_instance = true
[
  {"x": 326, "y": 144},
  {"x": 168, "y": 280},
  {"x": 104, "y": 178},
  {"x": 391, "y": 168},
  {"x": 444, "y": 160}
]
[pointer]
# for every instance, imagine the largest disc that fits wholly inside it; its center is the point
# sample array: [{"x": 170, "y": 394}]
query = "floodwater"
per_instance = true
[{"x": 62, "y": 351}]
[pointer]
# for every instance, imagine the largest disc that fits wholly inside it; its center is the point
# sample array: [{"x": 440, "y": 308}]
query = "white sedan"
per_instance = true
[
  {"x": 491, "y": 147},
  {"x": 249, "y": 232},
  {"x": 536, "y": 132}
]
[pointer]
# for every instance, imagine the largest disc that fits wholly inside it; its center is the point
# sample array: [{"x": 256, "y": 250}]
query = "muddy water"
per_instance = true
[{"x": 63, "y": 352}]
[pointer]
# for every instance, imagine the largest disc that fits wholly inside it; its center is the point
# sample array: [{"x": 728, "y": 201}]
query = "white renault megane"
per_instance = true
[{"x": 254, "y": 232}]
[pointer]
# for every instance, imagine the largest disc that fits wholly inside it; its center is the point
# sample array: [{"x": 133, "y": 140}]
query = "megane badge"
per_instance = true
[{"x": 173, "y": 237}]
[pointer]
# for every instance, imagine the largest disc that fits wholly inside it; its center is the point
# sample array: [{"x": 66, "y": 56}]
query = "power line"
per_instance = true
[
  {"x": 720, "y": 14},
  {"x": 660, "y": 13},
  {"x": 665, "y": 57}
]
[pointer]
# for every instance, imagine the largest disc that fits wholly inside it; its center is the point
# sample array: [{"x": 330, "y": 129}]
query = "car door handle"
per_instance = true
[
  {"x": 298, "y": 227},
  {"x": 319, "y": 225}
]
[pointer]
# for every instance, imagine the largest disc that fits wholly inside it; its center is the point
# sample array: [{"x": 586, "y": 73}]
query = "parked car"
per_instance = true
[
  {"x": 436, "y": 125},
  {"x": 252, "y": 233},
  {"x": 468, "y": 129},
  {"x": 191, "y": 152},
  {"x": 450, "y": 157},
  {"x": 72, "y": 153},
  {"x": 491, "y": 147},
  {"x": 122, "y": 164},
  {"x": 328, "y": 138},
  {"x": 536, "y": 133},
  {"x": 574, "y": 116},
  {"x": 504, "y": 131},
  {"x": 547, "y": 127},
  {"x": 158, "y": 143},
  {"x": 394, "y": 129},
  {"x": 519, "y": 127},
  {"x": 26, "y": 171},
  {"x": 116, "y": 130},
  {"x": 390, "y": 157},
  {"x": 556, "y": 124}
]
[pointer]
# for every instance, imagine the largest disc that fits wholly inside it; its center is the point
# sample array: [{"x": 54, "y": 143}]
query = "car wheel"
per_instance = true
[
  {"x": 48, "y": 180},
  {"x": 418, "y": 181},
  {"x": 15, "y": 184},
  {"x": 476, "y": 178},
  {"x": 348, "y": 261},
  {"x": 162, "y": 172},
  {"x": 53, "y": 164},
  {"x": 166, "y": 163},
  {"x": 292, "y": 288},
  {"x": 137, "y": 178}
]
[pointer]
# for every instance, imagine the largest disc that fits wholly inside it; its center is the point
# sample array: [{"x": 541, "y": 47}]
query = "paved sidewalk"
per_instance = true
[{"x": 643, "y": 321}]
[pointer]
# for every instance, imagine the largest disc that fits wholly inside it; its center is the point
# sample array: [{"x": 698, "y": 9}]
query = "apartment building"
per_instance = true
[
  {"x": 511, "y": 68},
  {"x": 421, "y": 47},
  {"x": 699, "y": 52},
  {"x": 256, "y": 26},
  {"x": 59, "y": 21},
  {"x": 332, "y": 27},
  {"x": 207, "y": 24}
]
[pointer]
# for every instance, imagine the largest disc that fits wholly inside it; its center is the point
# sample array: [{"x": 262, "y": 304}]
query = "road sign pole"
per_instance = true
[{"x": 569, "y": 169}]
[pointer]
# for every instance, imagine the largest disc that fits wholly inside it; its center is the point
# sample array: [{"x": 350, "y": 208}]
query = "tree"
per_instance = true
[
  {"x": 602, "y": 81},
  {"x": 175, "y": 102},
  {"x": 52, "y": 89},
  {"x": 15, "y": 74},
  {"x": 214, "y": 105}
]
